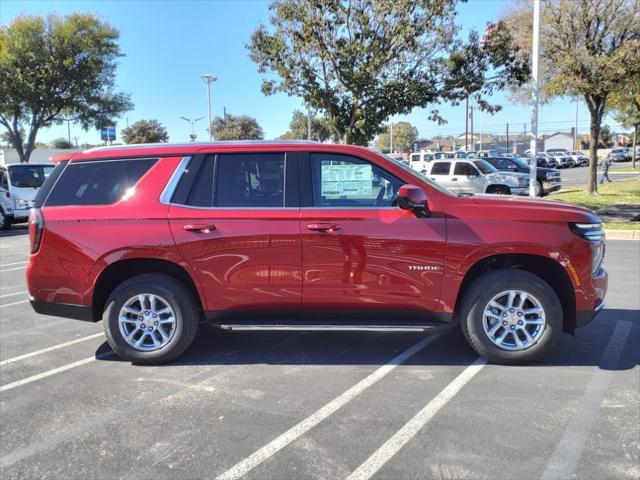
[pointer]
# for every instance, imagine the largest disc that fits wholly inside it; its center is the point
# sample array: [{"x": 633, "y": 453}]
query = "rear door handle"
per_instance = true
[
  {"x": 323, "y": 227},
  {"x": 199, "y": 227}
]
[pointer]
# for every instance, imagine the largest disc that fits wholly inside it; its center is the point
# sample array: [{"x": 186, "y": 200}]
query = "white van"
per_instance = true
[
  {"x": 477, "y": 176},
  {"x": 19, "y": 183},
  {"x": 419, "y": 160}
]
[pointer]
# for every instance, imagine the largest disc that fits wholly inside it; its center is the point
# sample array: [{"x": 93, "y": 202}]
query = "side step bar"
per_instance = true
[{"x": 331, "y": 328}]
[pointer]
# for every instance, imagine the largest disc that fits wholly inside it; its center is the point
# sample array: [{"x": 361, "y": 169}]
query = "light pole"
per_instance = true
[
  {"x": 536, "y": 100},
  {"x": 209, "y": 79},
  {"x": 192, "y": 122}
]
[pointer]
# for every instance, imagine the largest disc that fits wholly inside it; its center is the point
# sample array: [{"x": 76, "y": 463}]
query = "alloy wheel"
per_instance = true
[{"x": 147, "y": 322}]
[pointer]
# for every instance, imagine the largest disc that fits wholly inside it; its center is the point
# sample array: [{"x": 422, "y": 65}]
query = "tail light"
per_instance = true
[{"x": 36, "y": 227}]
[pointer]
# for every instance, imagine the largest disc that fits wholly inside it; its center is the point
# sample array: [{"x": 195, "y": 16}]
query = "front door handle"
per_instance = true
[
  {"x": 323, "y": 227},
  {"x": 199, "y": 227},
  {"x": 454, "y": 179}
]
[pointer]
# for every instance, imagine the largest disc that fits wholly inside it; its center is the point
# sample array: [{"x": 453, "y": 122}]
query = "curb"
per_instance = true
[{"x": 622, "y": 234}]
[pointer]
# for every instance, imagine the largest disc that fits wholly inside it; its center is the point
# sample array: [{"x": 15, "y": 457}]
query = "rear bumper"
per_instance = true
[{"x": 65, "y": 310}]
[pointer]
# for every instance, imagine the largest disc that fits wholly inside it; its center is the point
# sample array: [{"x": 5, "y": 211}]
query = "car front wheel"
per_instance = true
[
  {"x": 151, "y": 319},
  {"x": 511, "y": 316}
]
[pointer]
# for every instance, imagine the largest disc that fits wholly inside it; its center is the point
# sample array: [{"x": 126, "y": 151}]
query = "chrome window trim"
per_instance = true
[{"x": 170, "y": 188}]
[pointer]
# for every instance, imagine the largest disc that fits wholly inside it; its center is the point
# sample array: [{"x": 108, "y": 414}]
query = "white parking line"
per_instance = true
[
  {"x": 54, "y": 371},
  {"x": 22, "y": 292},
  {"x": 565, "y": 458},
  {"x": 14, "y": 303},
  {"x": 392, "y": 446},
  {"x": 13, "y": 269},
  {"x": 271, "y": 448},
  {"x": 14, "y": 263},
  {"x": 50, "y": 349}
]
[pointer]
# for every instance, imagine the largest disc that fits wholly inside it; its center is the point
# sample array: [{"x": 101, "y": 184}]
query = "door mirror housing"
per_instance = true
[{"x": 411, "y": 197}]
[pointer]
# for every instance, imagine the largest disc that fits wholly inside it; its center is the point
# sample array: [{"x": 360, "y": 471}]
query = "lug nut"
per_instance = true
[
  {"x": 519, "y": 322},
  {"x": 150, "y": 329},
  {"x": 511, "y": 310},
  {"x": 504, "y": 314},
  {"x": 504, "y": 323},
  {"x": 519, "y": 314},
  {"x": 513, "y": 327},
  {"x": 155, "y": 316},
  {"x": 155, "y": 323}
]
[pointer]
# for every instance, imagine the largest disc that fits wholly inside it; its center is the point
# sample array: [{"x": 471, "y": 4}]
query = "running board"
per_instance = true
[{"x": 331, "y": 328}]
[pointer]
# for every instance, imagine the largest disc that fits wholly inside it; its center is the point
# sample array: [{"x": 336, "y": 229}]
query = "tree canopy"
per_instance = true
[
  {"x": 61, "y": 143},
  {"x": 236, "y": 127},
  {"x": 404, "y": 136},
  {"x": 588, "y": 48},
  {"x": 145, "y": 131},
  {"x": 361, "y": 61},
  {"x": 298, "y": 128},
  {"x": 57, "y": 68},
  {"x": 626, "y": 108}
]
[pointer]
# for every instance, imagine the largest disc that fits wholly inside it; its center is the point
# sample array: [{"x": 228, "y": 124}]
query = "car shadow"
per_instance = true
[
  {"x": 213, "y": 346},
  {"x": 15, "y": 230}
]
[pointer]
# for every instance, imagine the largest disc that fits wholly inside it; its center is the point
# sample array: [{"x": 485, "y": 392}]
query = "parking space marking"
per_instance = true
[
  {"x": 565, "y": 458},
  {"x": 14, "y": 303},
  {"x": 13, "y": 269},
  {"x": 22, "y": 292},
  {"x": 53, "y": 371},
  {"x": 271, "y": 448},
  {"x": 392, "y": 446},
  {"x": 50, "y": 349},
  {"x": 14, "y": 263}
]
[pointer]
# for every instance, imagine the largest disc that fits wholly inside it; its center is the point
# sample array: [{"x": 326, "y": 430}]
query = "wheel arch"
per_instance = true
[
  {"x": 544, "y": 267},
  {"x": 117, "y": 272},
  {"x": 497, "y": 186}
]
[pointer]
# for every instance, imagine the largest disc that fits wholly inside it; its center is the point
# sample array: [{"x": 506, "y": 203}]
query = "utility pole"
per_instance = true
[
  {"x": 224, "y": 114},
  {"x": 308, "y": 123},
  {"x": 192, "y": 122},
  {"x": 391, "y": 138},
  {"x": 536, "y": 99},
  {"x": 466, "y": 125},
  {"x": 209, "y": 79},
  {"x": 480, "y": 122},
  {"x": 507, "y": 137},
  {"x": 575, "y": 131}
]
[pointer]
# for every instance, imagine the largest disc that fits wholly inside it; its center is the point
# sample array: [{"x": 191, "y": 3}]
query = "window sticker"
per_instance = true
[{"x": 350, "y": 180}]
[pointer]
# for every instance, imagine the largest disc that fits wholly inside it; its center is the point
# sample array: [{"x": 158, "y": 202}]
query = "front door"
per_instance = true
[
  {"x": 359, "y": 250},
  {"x": 236, "y": 222},
  {"x": 467, "y": 178}
]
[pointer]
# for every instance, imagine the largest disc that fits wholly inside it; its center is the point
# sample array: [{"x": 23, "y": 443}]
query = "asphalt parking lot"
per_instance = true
[
  {"x": 573, "y": 177},
  {"x": 317, "y": 405}
]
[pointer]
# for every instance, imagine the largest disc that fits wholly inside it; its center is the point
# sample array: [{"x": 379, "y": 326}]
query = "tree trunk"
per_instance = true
[
  {"x": 596, "y": 111},
  {"x": 635, "y": 145}
]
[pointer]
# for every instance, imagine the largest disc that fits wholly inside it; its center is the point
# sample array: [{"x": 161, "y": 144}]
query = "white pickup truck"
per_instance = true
[
  {"x": 19, "y": 183},
  {"x": 476, "y": 176}
]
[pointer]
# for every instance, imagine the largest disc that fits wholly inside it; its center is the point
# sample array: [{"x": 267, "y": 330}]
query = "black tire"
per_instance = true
[
  {"x": 181, "y": 300},
  {"x": 540, "y": 189},
  {"x": 483, "y": 289},
  {"x": 5, "y": 220},
  {"x": 499, "y": 190}
]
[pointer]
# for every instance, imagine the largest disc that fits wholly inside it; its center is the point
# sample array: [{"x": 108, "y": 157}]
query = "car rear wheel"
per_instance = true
[
  {"x": 511, "y": 316},
  {"x": 5, "y": 220},
  {"x": 539, "y": 189},
  {"x": 499, "y": 190},
  {"x": 151, "y": 319}
]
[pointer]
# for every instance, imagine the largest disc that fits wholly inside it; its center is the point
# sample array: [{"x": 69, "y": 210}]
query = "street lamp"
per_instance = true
[
  {"x": 209, "y": 79},
  {"x": 192, "y": 122}
]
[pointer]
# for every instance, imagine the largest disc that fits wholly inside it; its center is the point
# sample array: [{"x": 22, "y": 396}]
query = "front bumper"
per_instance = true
[
  {"x": 21, "y": 214},
  {"x": 551, "y": 186},
  {"x": 584, "y": 318}
]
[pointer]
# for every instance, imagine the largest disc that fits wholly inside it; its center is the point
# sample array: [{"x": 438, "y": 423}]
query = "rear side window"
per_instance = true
[
  {"x": 48, "y": 184},
  {"x": 250, "y": 180},
  {"x": 97, "y": 183},
  {"x": 441, "y": 168}
]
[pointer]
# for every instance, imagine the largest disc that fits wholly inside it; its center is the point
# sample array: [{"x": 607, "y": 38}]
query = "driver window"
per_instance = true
[
  {"x": 344, "y": 181},
  {"x": 4, "y": 184}
]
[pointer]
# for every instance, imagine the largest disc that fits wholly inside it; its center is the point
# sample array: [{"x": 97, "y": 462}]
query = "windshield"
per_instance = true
[
  {"x": 418, "y": 174},
  {"x": 521, "y": 163},
  {"x": 29, "y": 176},
  {"x": 484, "y": 166}
]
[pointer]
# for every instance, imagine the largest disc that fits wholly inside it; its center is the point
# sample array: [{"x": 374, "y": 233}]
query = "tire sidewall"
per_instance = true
[
  {"x": 178, "y": 300},
  {"x": 473, "y": 321}
]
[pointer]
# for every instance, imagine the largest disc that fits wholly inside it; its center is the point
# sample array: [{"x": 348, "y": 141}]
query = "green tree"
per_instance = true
[
  {"x": 236, "y": 127},
  {"x": 361, "y": 61},
  {"x": 298, "y": 128},
  {"x": 588, "y": 48},
  {"x": 145, "y": 131},
  {"x": 404, "y": 136},
  {"x": 605, "y": 136},
  {"x": 57, "y": 67},
  {"x": 626, "y": 107},
  {"x": 61, "y": 143}
]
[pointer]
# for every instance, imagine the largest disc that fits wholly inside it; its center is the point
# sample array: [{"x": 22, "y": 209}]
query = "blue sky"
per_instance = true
[{"x": 170, "y": 44}]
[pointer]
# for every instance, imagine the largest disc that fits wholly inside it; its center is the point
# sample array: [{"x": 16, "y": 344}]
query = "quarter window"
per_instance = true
[
  {"x": 344, "y": 181},
  {"x": 441, "y": 168}
]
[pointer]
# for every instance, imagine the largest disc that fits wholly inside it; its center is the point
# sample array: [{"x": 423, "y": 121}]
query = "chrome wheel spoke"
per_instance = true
[
  {"x": 534, "y": 321},
  {"x": 501, "y": 338},
  {"x": 532, "y": 311},
  {"x": 494, "y": 329},
  {"x": 512, "y": 296},
  {"x": 141, "y": 324},
  {"x": 523, "y": 298}
]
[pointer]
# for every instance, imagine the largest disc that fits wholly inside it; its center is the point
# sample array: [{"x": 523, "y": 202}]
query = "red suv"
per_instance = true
[{"x": 154, "y": 239}]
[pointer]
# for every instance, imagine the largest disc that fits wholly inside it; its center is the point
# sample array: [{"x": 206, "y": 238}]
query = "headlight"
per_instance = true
[{"x": 594, "y": 233}]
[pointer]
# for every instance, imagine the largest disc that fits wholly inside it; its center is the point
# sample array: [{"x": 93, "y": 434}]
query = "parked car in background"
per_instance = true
[
  {"x": 419, "y": 160},
  {"x": 547, "y": 179},
  {"x": 618, "y": 155},
  {"x": 488, "y": 153},
  {"x": 476, "y": 176},
  {"x": 547, "y": 160},
  {"x": 564, "y": 161},
  {"x": 153, "y": 240},
  {"x": 19, "y": 184},
  {"x": 579, "y": 159},
  {"x": 472, "y": 154}
]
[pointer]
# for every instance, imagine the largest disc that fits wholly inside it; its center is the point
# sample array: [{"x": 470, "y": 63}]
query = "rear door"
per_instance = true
[
  {"x": 467, "y": 178},
  {"x": 440, "y": 171},
  {"x": 235, "y": 219},
  {"x": 361, "y": 251}
]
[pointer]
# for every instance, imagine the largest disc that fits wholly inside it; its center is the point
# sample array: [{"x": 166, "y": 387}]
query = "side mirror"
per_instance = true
[{"x": 411, "y": 197}]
